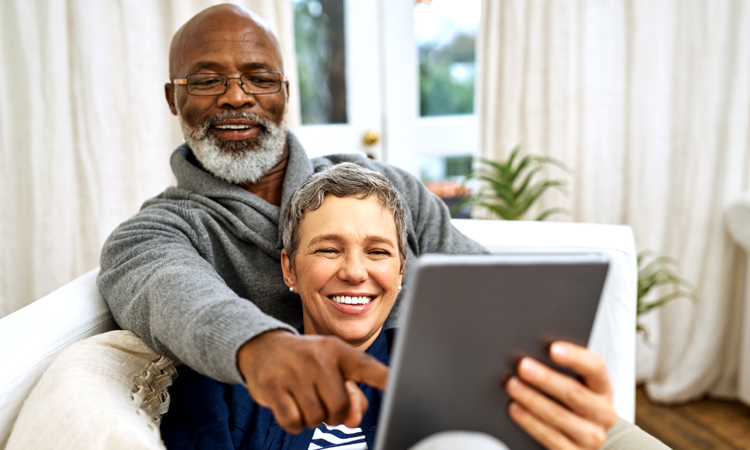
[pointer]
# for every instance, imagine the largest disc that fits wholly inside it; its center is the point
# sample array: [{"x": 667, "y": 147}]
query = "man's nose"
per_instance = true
[
  {"x": 235, "y": 96},
  {"x": 353, "y": 269}
]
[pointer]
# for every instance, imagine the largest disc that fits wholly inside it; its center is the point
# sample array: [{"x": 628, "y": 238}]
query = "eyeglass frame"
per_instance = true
[{"x": 183, "y": 81}]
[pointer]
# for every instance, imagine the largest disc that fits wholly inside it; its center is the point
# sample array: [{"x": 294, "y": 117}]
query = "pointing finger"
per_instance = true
[{"x": 363, "y": 368}]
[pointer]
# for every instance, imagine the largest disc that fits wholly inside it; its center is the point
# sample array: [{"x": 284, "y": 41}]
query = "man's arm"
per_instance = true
[{"x": 158, "y": 285}]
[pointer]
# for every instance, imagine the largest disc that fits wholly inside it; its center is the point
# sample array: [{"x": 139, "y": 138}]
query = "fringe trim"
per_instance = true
[{"x": 150, "y": 390}]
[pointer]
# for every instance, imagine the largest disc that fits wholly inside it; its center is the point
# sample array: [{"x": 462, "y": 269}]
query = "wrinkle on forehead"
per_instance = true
[{"x": 212, "y": 25}]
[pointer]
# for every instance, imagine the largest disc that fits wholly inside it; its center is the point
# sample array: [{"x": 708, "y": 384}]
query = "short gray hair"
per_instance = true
[{"x": 341, "y": 180}]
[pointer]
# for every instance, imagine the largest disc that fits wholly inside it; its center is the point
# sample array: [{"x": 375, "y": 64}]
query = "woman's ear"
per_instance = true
[{"x": 289, "y": 277}]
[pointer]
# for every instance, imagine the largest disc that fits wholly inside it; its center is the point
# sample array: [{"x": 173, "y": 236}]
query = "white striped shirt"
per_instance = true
[{"x": 339, "y": 437}]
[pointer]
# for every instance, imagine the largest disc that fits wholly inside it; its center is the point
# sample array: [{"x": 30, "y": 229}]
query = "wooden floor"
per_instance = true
[{"x": 705, "y": 424}]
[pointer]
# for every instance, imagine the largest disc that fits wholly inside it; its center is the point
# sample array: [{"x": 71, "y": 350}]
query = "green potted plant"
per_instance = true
[
  {"x": 656, "y": 270},
  {"x": 509, "y": 188}
]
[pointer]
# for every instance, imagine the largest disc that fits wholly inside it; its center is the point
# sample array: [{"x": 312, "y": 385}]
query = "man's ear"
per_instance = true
[
  {"x": 169, "y": 94},
  {"x": 289, "y": 277}
]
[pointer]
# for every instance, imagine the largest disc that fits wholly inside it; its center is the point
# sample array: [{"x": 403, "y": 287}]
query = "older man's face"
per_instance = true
[{"x": 236, "y": 136}]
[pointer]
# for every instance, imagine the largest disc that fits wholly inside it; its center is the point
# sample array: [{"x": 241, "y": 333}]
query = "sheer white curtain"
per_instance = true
[
  {"x": 649, "y": 103},
  {"x": 85, "y": 132}
]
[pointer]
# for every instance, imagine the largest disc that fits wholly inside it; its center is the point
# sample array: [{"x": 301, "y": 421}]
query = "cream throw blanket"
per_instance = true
[{"x": 108, "y": 391}]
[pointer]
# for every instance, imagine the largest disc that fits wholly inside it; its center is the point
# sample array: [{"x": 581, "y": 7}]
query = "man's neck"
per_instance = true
[{"x": 269, "y": 188}]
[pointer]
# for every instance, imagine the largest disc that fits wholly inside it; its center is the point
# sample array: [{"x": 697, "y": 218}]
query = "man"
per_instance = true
[{"x": 196, "y": 272}]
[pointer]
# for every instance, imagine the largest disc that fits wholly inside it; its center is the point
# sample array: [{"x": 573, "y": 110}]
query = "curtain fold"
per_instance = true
[
  {"x": 85, "y": 131},
  {"x": 649, "y": 104}
]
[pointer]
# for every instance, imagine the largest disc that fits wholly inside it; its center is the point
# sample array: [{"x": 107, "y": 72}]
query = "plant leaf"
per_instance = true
[
  {"x": 537, "y": 190},
  {"x": 551, "y": 211}
]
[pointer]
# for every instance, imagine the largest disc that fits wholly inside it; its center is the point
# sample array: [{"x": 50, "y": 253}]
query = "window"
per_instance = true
[{"x": 392, "y": 79}]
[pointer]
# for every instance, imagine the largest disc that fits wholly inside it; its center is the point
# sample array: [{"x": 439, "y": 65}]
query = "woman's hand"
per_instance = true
[{"x": 583, "y": 412}]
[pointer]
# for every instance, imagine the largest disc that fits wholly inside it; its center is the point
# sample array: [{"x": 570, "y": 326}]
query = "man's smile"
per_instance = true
[{"x": 235, "y": 129}]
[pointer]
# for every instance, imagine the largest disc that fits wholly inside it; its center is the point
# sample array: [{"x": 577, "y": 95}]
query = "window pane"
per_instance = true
[
  {"x": 446, "y": 32},
  {"x": 321, "y": 61},
  {"x": 444, "y": 176}
]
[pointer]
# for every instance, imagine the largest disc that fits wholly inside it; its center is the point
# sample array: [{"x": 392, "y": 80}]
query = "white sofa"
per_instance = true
[
  {"x": 31, "y": 337},
  {"x": 737, "y": 216}
]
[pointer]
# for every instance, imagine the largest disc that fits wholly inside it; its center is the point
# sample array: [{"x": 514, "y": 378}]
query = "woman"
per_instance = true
[{"x": 344, "y": 236}]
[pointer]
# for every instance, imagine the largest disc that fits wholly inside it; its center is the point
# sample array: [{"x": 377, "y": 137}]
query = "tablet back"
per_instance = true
[{"x": 467, "y": 322}]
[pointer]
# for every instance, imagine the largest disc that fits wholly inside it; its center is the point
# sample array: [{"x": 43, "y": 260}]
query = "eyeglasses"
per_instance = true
[{"x": 216, "y": 84}]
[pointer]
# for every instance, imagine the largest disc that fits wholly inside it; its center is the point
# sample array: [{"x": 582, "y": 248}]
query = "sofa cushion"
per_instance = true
[{"x": 107, "y": 391}]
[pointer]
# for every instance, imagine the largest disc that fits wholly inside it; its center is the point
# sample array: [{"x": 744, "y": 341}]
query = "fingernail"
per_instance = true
[
  {"x": 514, "y": 384},
  {"x": 528, "y": 366},
  {"x": 558, "y": 350}
]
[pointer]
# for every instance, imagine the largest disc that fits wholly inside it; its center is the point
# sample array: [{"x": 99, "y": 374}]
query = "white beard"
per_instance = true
[{"x": 237, "y": 162}]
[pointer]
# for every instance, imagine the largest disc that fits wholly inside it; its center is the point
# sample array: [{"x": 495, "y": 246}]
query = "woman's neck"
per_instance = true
[{"x": 361, "y": 344}]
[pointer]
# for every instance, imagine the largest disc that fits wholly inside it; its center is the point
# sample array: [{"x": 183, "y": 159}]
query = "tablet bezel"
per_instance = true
[{"x": 519, "y": 305}]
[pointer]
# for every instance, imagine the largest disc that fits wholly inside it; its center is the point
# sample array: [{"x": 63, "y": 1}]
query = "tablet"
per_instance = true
[{"x": 467, "y": 321}]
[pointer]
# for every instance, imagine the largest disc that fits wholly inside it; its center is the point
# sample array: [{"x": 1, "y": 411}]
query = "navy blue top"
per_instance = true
[{"x": 204, "y": 413}]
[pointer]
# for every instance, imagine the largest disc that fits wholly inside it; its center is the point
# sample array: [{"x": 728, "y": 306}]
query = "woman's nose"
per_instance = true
[{"x": 353, "y": 270}]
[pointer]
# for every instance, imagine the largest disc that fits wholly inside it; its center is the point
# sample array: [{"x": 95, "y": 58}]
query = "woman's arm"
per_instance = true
[{"x": 574, "y": 414}]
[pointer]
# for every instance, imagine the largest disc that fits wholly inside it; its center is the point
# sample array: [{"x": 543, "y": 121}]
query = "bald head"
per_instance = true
[{"x": 228, "y": 23}]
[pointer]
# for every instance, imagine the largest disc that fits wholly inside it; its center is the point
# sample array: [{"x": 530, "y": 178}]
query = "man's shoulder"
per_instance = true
[
  {"x": 401, "y": 179},
  {"x": 337, "y": 158}
]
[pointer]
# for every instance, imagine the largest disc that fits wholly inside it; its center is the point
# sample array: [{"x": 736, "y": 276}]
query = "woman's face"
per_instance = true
[{"x": 347, "y": 268}]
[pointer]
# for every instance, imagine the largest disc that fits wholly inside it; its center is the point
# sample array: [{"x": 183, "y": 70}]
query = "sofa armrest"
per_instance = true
[
  {"x": 33, "y": 336},
  {"x": 737, "y": 218},
  {"x": 613, "y": 334}
]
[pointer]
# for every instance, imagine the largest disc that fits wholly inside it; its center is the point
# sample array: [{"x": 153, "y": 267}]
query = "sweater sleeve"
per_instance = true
[{"x": 158, "y": 285}]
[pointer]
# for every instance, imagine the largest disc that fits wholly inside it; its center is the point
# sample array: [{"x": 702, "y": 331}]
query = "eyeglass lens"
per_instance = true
[{"x": 251, "y": 83}]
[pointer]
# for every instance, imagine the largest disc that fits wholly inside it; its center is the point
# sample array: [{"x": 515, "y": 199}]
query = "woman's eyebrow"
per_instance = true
[
  {"x": 370, "y": 239},
  {"x": 325, "y": 237},
  {"x": 373, "y": 239}
]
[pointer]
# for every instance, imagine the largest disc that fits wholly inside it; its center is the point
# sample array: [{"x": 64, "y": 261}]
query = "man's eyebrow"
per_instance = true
[
  {"x": 213, "y": 65},
  {"x": 201, "y": 65},
  {"x": 255, "y": 66}
]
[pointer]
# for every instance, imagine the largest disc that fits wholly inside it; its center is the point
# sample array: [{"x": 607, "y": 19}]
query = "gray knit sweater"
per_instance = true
[{"x": 196, "y": 273}]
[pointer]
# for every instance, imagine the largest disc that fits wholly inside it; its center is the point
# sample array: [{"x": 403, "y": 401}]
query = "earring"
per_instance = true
[
  {"x": 291, "y": 289},
  {"x": 399, "y": 287}
]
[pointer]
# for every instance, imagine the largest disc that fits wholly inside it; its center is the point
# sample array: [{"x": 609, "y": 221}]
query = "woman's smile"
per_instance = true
[{"x": 353, "y": 304}]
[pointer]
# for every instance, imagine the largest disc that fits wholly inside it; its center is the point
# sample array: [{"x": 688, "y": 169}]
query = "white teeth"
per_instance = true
[
  {"x": 232, "y": 127},
  {"x": 351, "y": 300}
]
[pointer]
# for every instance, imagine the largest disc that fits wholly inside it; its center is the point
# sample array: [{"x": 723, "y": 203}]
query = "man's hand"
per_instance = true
[
  {"x": 584, "y": 413},
  {"x": 307, "y": 380}
]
